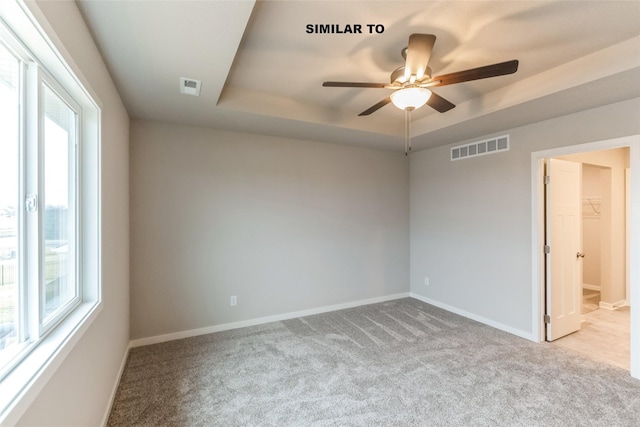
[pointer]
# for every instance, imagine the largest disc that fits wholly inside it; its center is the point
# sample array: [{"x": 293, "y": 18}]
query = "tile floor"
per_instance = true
[{"x": 604, "y": 335}]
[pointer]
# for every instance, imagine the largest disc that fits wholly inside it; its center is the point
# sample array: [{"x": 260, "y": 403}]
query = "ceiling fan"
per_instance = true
[{"x": 411, "y": 81}]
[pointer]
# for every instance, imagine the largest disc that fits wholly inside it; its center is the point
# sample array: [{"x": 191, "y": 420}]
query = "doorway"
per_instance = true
[
  {"x": 601, "y": 330},
  {"x": 538, "y": 235}
]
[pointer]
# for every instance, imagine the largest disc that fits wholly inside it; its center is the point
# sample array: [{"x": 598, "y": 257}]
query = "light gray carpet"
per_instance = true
[{"x": 400, "y": 363}]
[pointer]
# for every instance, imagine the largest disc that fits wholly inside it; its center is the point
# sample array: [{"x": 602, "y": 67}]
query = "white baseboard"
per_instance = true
[
  {"x": 591, "y": 287},
  {"x": 612, "y": 306},
  {"x": 105, "y": 418},
  {"x": 260, "y": 320},
  {"x": 522, "y": 334}
]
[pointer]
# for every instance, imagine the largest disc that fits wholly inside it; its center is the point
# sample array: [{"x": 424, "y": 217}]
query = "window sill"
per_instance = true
[{"x": 23, "y": 384}]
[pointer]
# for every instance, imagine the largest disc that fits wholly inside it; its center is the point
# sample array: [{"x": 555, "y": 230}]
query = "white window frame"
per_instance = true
[
  {"x": 49, "y": 343},
  {"x": 46, "y": 324}
]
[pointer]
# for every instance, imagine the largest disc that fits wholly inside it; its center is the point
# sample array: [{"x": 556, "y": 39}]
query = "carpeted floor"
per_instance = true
[{"x": 399, "y": 363}]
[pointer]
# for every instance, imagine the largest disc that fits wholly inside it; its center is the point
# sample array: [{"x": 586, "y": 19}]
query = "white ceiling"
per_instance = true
[{"x": 261, "y": 72}]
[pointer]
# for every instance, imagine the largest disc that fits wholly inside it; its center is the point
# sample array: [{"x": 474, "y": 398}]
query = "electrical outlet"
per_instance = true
[
  {"x": 426, "y": 281},
  {"x": 234, "y": 300}
]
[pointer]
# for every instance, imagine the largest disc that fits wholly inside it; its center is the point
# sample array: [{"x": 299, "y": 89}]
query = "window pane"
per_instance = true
[
  {"x": 59, "y": 204},
  {"x": 9, "y": 202}
]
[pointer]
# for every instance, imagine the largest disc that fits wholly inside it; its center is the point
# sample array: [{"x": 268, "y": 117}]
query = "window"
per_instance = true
[
  {"x": 49, "y": 206},
  {"x": 39, "y": 203},
  {"x": 59, "y": 288}
]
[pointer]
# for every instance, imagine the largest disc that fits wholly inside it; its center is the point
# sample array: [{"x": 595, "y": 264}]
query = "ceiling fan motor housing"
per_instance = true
[{"x": 398, "y": 76}]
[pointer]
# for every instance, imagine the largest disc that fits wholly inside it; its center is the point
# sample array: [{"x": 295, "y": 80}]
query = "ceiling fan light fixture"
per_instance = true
[{"x": 410, "y": 98}]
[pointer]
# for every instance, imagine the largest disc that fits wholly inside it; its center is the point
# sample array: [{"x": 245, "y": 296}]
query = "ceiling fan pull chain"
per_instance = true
[
  {"x": 409, "y": 126},
  {"x": 406, "y": 132}
]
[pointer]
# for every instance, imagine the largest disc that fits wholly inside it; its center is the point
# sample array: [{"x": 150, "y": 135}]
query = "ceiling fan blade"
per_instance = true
[
  {"x": 487, "y": 71},
  {"x": 376, "y": 107},
  {"x": 418, "y": 54},
  {"x": 439, "y": 104},
  {"x": 354, "y": 84}
]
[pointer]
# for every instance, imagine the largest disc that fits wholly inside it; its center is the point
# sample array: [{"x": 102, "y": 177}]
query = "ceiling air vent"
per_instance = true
[
  {"x": 190, "y": 86},
  {"x": 480, "y": 148}
]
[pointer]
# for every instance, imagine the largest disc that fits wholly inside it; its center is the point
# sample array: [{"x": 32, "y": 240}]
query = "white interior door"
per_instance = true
[{"x": 564, "y": 241}]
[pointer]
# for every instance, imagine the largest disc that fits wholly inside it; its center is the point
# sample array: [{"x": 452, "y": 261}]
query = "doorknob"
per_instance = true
[{"x": 580, "y": 255}]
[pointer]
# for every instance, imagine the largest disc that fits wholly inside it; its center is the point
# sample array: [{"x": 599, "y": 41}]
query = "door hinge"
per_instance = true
[
  {"x": 547, "y": 318},
  {"x": 547, "y": 179},
  {"x": 547, "y": 249}
]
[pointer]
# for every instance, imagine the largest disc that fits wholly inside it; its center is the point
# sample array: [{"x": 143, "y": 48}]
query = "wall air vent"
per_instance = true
[
  {"x": 480, "y": 148},
  {"x": 189, "y": 86}
]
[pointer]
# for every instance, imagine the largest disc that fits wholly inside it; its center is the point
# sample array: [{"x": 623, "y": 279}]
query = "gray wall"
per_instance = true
[
  {"x": 286, "y": 225},
  {"x": 79, "y": 392},
  {"x": 471, "y": 219}
]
